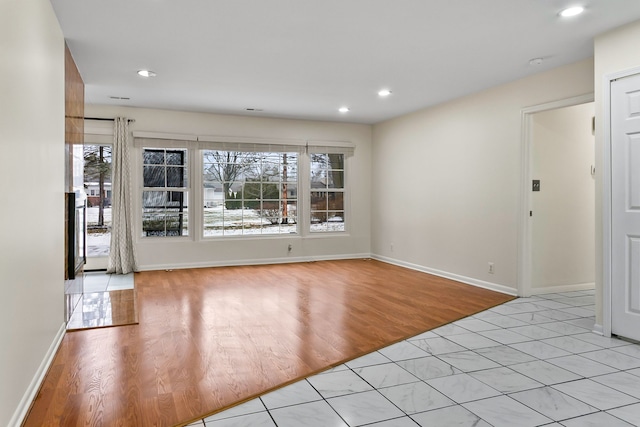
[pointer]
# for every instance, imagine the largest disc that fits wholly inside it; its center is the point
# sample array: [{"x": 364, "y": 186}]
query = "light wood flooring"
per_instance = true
[{"x": 210, "y": 338}]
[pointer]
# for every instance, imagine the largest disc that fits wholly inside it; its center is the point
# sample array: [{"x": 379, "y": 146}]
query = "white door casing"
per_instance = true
[
  {"x": 525, "y": 226},
  {"x": 625, "y": 207}
]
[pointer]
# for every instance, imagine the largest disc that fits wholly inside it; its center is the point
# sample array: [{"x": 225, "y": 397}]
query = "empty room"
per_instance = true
[{"x": 339, "y": 213}]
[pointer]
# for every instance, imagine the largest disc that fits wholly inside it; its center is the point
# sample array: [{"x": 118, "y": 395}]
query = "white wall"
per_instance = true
[
  {"x": 614, "y": 51},
  {"x": 195, "y": 252},
  {"x": 563, "y": 221},
  {"x": 446, "y": 187},
  {"x": 32, "y": 237}
]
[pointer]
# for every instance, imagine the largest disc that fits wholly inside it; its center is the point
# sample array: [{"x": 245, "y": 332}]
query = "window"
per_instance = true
[
  {"x": 165, "y": 192},
  {"x": 327, "y": 192},
  {"x": 242, "y": 187},
  {"x": 249, "y": 193}
]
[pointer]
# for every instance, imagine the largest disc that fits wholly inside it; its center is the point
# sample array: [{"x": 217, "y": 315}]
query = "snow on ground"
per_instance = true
[
  {"x": 92, "y": 215},
  {"x": 98, "y": 242},
  {"x": 236, "y": 222},
  {"x": 241, "y": 222}
]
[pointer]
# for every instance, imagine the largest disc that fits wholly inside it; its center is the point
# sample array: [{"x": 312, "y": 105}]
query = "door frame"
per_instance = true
[
  {"x": 525, "y": 235},
  {"x": 105, "y": 131},
  {"x": 606, "y": 194}
]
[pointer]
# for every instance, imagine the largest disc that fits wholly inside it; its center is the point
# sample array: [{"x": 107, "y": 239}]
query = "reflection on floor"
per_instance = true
[
  {"x": 108, "y": 300},
  {"x": 528, "y": 362}
]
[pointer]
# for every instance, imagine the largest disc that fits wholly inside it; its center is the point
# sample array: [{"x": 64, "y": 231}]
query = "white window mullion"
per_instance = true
[
  {"x": 197, "y": 190},
  {"x": 137, "y": 185},
  {"x": 304, "y": 217}
]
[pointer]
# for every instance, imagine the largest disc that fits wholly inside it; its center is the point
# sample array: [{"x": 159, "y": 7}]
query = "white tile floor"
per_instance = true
[
  {"x": 529, "y": 362},
  {"x": 93, "y": 306},
  {"x": 99, "y": 281}
]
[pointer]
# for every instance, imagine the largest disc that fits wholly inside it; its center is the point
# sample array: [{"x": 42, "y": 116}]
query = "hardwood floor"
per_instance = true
[{"x": 210, "y": 338}]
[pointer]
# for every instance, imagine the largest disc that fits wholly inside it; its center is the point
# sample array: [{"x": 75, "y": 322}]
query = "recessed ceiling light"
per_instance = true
[
  {"x": 384, "y": 92},
  {"x": 572, "y": 11},
  {"x": 343, "y": 109},
  {"x": 146, "y": 73}
]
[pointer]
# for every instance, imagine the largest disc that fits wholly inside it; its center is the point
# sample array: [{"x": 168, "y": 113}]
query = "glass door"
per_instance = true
[{"x": 97, "y": 187}]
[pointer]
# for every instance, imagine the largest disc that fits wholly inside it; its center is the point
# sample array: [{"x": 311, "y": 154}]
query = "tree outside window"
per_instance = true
[
  {"x": 97, "y": 187},
  {"x": 249, "y": 193},
  {"x": 165, "y": 193},
  {"x": 327, "y": 192}
]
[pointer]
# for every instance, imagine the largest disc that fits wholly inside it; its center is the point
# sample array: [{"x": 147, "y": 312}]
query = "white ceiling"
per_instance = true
[{"x": 307, "y": 58}]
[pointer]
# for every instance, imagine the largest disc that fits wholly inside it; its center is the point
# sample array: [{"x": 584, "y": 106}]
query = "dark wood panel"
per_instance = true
[
  {"x": 74, "y": 134},
  {"x": 74, "y": 101},
  {"x": 211, "y": 338}
]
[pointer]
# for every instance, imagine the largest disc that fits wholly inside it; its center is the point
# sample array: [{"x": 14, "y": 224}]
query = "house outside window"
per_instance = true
[
  {"x": 249, "y": 193},
  {"x": 326, "y": 191},
  {"x": 96, "y": 159},
  {"x": 244, "y": 188}
]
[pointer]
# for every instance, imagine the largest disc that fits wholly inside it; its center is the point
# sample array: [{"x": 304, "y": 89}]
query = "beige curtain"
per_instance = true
[{"x": 122, "y": 259}]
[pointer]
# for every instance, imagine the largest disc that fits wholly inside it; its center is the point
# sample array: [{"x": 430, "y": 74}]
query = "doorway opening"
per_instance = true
[
  {"x": 557, "y": 250},
  {"x": 96, "y": 186}
]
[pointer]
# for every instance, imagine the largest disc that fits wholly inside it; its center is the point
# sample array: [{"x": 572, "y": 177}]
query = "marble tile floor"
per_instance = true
[
  {"x": 106, "y": 300},
  {"x": 529, "y": 362},
  {"x": 99, "y": 281}
]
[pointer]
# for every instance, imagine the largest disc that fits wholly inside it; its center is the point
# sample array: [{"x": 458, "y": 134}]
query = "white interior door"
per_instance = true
[{"x": 625, "y": 207}]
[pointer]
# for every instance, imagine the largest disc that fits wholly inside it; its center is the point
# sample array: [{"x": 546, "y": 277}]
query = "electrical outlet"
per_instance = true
[
  {"x": 392, "y": 247},
  {"x": 289, "y": 248},
  {"x": 491, "y": 268}
]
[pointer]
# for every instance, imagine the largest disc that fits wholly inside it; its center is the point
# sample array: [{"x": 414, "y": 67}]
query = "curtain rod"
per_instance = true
[{"x": 103, "y": 119}]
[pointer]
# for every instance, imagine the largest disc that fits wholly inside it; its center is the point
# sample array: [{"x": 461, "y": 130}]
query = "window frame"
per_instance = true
[
  {"x": 252, "y": 149},
  {"x": 327, "y": 190},
  {"x": 140, "y": 144},
  {"x": 194, "y": 145},
  {"x": 169, "y": 191},
  {"x": 331, "y": 147},
  {"x": 96, "y": 141}
]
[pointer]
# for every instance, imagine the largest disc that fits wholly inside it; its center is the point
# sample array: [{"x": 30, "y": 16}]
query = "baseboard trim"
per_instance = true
[
  {"x": 30, "y": 394},
  {"x": 463, "y": 279},
  {"x": 264, "y": 261},
  {"x": 260, "y": 261},
  {"x": 598, "y": 329},
  {"x": 563, "y": 288}
]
